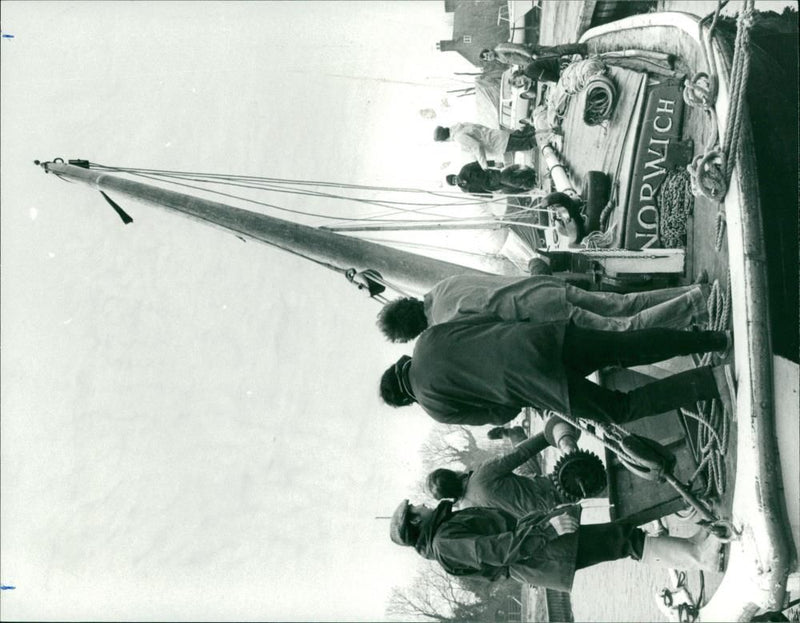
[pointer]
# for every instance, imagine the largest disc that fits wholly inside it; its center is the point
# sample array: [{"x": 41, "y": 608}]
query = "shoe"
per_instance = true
[
  {"x": 539, "y": 266},
  {"x": 702, "y": 277},
  {"x": 726, "y": 388},
  {"x": 724, "y": 356},
  {"x": 700, "y": 318},
  {"x": 684, "y": 554}
]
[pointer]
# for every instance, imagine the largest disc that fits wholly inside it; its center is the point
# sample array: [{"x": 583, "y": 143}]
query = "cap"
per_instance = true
[{"x": 398, "y": 528}]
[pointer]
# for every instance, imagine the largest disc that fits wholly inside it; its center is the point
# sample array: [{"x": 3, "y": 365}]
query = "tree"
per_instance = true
[
  {"x": 434, "y": 595},
  {"x": 449, "y": 445}
]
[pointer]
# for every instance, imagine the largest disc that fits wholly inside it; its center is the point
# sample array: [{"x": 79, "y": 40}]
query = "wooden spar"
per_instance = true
[
  {"x": 406, "y": 270},
  {"x": 423, "y": 226},
  {"x": 418, "y": 226},
  {"x": 556, "y": 170}
]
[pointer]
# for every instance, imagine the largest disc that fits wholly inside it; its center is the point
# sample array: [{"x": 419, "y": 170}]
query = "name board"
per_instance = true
[{"x": 661, "y": 125}]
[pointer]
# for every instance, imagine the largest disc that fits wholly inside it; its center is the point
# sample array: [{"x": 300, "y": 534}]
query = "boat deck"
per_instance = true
[
  {"x": 583, "y": 150},
  {"x": 773, "y": 150}
]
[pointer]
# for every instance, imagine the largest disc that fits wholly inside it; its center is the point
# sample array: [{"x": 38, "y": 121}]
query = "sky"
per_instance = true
[{"x": 190, "y": 424}]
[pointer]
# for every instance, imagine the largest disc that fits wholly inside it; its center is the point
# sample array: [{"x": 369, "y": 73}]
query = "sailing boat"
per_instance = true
[
  {"x": 762, "y": 550},
  {"x": 659, "y": 124}
]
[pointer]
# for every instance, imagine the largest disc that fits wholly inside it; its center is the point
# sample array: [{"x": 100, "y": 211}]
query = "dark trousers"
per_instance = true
[
  {"x": 564, "y": 49},
  {"x": 608, "y": 541},
  {"x": 544, "y": 69},
  {"x": 518, "y": 179},
  {"x": 588, "y": 350},
  {"x": 521, "y": 140}
]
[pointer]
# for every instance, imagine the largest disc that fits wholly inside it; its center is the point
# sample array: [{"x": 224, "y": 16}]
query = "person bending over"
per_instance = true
[
  {"x": 483, "y": 371},
  {"x": 482, "y": 141},
  {"x": 493, "y": 483},
  {"x": 542, "y": 298}
]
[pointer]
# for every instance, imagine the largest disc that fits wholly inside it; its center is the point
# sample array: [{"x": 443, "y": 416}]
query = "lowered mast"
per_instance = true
[{"x": 339, "y": 252}]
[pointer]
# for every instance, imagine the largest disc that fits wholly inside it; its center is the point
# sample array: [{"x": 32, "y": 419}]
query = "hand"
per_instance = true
[
  {"x": 498, "y": 432},
  {"x": 564, "y": 524}
]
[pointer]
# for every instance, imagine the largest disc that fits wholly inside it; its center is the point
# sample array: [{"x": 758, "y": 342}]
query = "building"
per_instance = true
[{"x": 477, "y": 24}]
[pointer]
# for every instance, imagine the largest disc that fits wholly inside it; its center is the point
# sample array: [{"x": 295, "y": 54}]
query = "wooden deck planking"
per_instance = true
[
  {"x": 702, "y": 226},
  {"x": 561, "y": 20}
]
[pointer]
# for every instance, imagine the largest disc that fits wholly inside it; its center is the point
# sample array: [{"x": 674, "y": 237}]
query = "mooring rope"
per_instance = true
[
  {"x": 713, "y": 435},
  {"x": 710, "y": 175},
  {"x": 711, "y": 172}
]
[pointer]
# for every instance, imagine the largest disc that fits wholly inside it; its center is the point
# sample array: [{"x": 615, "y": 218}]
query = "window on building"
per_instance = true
[{"x": 467, "y": 38}]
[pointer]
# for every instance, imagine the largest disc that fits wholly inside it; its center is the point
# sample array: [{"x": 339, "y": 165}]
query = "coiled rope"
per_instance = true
[
  {"x": 573, "y": 79},
  {"x": 601, "y": 95},
  {"x": 713, "y": 434}
]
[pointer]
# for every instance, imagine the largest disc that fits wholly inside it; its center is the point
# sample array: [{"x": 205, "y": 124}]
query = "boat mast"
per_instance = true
[{"x": 401, "y": 268}]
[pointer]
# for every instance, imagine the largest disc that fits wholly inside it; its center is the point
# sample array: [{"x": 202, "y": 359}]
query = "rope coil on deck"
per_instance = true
[
  {"x": 713, "y": 435},
  {"x": 573, "y": 79}
]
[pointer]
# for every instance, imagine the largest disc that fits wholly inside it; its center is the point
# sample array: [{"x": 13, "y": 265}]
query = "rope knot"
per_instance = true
[
  {"x": 700, "y": 90},
  {"x": 746, "y": 18},
  {"x": 707, "y": 173}
]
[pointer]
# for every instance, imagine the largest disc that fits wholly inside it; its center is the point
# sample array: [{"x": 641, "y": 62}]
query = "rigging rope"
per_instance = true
[
  {"x": 196, "y": 181},
  {"x": 274, "y": 185},
  {"x": 711, "y": 172}
]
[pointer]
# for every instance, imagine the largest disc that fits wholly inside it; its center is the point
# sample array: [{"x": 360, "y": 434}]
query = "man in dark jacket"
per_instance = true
[
  {"x": 494, "y": 484},
  {"x": 481, "y": 371},
  {"x": 475, "y": 180},
  {"x": 540, "y": 549},
  {"x": 523, "y": 54}
]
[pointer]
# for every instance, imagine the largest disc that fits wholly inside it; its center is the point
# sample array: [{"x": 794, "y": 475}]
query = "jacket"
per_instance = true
[
  {"x": 478, "y": 181},
  {"x": 480, "y": 371},
  {"x": 493, "y": 483},
  {"x": 490, "y": 543},
  {"x": 540, "y": 298},
  {"x": 480, "y": 140}
]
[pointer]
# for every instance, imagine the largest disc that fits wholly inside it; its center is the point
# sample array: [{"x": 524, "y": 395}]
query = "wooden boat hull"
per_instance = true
[{"x": 764, "y": 554}]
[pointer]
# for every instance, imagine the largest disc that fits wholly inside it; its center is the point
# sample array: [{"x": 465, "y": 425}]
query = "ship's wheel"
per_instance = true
[{"x": 580, "y": 474}]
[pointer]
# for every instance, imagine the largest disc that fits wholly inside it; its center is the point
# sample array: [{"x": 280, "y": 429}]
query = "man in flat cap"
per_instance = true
[{"x": 540, "y": 549}]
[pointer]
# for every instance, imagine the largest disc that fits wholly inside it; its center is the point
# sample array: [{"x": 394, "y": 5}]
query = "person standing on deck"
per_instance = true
[
  {"x": 483, "y": 371},
  {"x": 539, "y": 63},
  {"x": 524, "y": 53},
  {"x": 540, "y": 549},
  {"x": 494, "y": 484},
  {"x": 546, "y": 69},
  {"x": 474, "y": 180},
  {"x": 482, "y": 141},
  {"x": 542, "y": 298}
]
